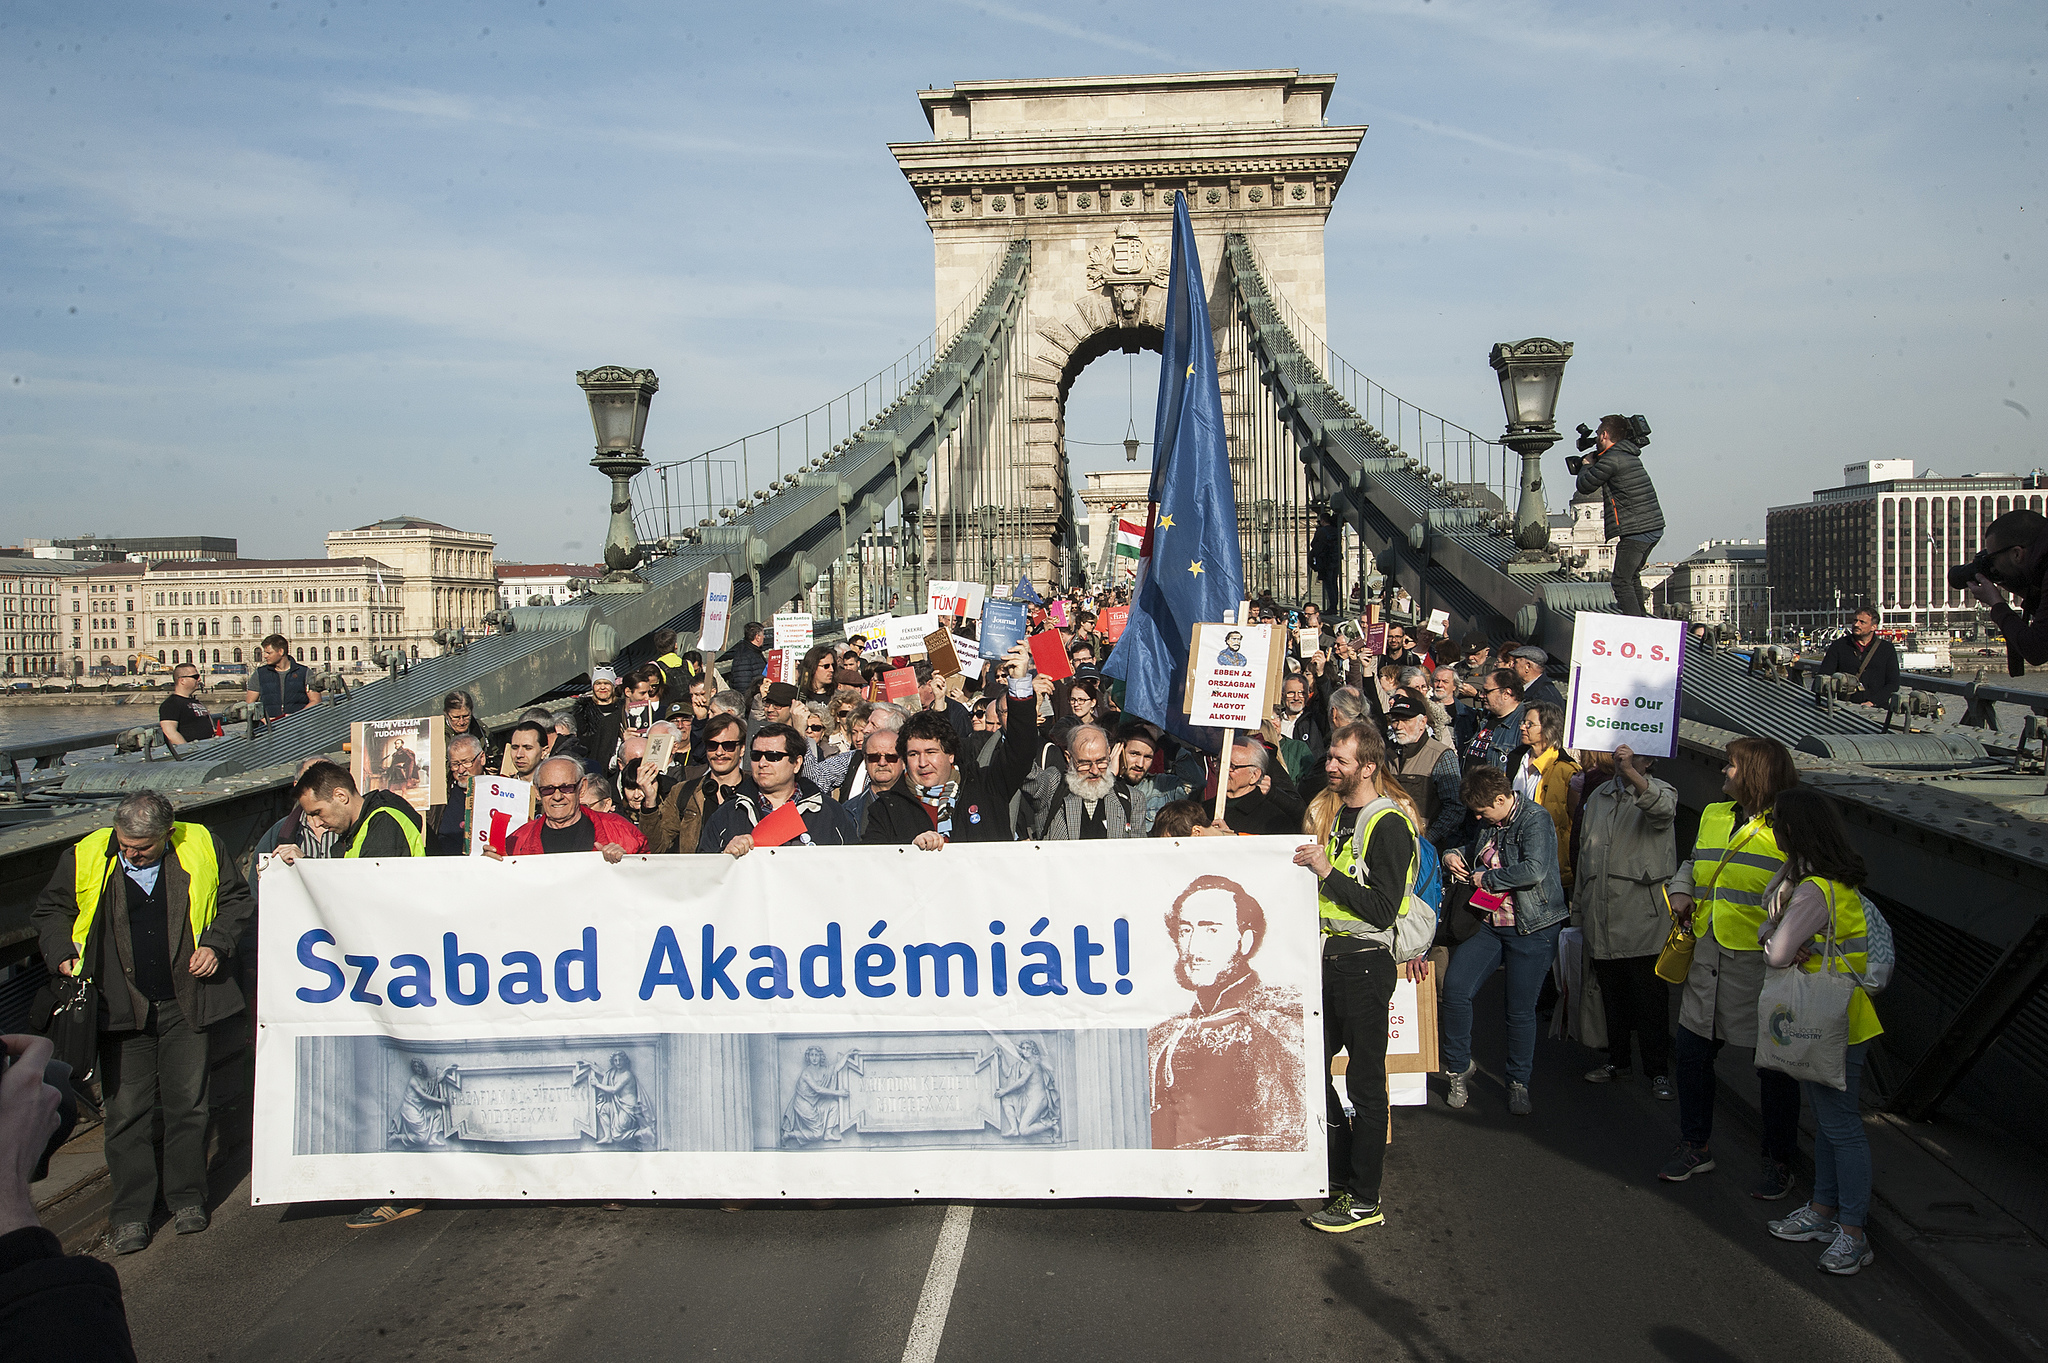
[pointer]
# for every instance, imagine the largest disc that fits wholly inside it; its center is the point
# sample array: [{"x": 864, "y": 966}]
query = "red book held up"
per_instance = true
[
  {"x": 1049, "y": 656},
  {"x": 899, "y": 683},
  {"x": 786, "y": 824}
]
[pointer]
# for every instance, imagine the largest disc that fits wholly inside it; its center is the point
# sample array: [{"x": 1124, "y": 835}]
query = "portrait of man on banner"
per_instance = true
[{"x": 1227, "y": 1074}]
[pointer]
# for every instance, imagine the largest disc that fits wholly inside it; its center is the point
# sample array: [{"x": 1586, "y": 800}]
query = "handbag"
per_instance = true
[
  {"x": 1674, "y": 962},
  {"x": 67, "y": 1011},
  {"x": 1802, "y": 1017}
]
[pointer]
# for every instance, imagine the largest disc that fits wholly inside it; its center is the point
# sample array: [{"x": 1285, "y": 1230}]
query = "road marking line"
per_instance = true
[{"x": 929, "y": 1324}]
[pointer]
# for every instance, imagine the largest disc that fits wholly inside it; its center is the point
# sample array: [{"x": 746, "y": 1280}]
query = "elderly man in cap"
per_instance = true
[
  {"x": 1527, "y": 663},
  {"x": 775, "y": 702}
]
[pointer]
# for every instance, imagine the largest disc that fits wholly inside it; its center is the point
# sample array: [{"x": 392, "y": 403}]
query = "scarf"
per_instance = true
[{"x": 938, "y": 802}]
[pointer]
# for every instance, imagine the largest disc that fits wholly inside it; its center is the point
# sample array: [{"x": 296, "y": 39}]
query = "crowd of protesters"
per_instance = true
[{"x": 1430, "y": 778}]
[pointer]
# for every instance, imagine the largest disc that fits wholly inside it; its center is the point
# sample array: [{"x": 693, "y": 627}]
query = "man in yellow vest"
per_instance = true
[
  {"x": 375, "y": 825},
  {"x": 149, "y": 911}
]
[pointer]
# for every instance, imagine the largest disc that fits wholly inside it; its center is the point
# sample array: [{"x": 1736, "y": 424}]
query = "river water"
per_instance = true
[{"x": 46, "y": 723}]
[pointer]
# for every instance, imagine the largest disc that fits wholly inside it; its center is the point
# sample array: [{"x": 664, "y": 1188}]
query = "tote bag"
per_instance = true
[{"x": 1802, "y": 1018}]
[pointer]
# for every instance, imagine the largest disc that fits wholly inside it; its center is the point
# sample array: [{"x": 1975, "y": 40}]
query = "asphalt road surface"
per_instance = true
[{"x": 1546, "y": 1237}]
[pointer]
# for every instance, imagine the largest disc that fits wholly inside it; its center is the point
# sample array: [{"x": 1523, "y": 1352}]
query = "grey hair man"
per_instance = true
[
  {"x": 1084, "y": 802},
  {"x": 881, "y": 715},
  {"x": 444, "y": 820}
]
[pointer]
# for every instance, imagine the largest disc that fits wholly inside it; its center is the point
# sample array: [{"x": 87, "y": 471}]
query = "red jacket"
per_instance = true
[{"x": 611, "y": 828}]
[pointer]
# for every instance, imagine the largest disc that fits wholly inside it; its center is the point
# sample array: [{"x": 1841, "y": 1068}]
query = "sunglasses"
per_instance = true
[
  {"x": 723, "y": 745},
  {"x": 883, "y": 758},
  {"x": 814, "y": 728},
  {"x": 569, "y": 789},
  {"x": 764, "y": 755}
]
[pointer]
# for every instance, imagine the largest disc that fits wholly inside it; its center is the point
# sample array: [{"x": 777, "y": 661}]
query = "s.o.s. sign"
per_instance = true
[{"x": 1624, "y": 687}]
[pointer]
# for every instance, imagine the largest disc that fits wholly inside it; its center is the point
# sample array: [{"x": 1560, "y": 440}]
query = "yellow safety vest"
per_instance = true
[
  {"x": 1343, "y": 858},
  {"x": 1732, "y": 867},
  {"x": 94, "y": 860},
  {"x": 1850, "y": 956},
  {"x": 415, "y": 833}
]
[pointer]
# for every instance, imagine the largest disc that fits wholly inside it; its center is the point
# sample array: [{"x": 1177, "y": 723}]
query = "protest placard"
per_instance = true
[
  {"x": 907, "y": 632},
  {"x": 1112, "y": 620},
  {"x": 968, "y": 651},
  {"x": 401, "y": 756},
  {"x": 1229, "y": 669},
  {"x": 1624, "y": 687},
  {"x": 1002, "y": 625},
  {"x": 737, "y": 1033},
  {"x": 498, "y": 807},
  {"x": 1049, "y": 656},
  {"x": 793, "y": 631},
  {"x": 717, "y": 610},
  {"x": 962, "y": 599},
  {"x": 938, "y": 646},
  {"x": 869, "y": 634}
]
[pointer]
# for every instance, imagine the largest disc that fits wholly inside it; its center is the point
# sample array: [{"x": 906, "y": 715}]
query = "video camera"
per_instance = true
[{"x": 1635, "y": 428}]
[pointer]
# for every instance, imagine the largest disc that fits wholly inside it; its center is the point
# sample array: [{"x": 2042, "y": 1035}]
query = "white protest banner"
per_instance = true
[
  {"x": 793, "y": 632},
  {"x": 499, "y": 806},
  {"x": 717, "y": 610},
  {"x": 870, "y": 634},
  {"x": 620, "y": 1031},
  {"x": 955, "y": 598},
  {"x": 968, "y": 651},
  {"x": 906, "y": 634},
  {"x": 1227, "y": 675},
  {"x": 1625, "y": 683}
]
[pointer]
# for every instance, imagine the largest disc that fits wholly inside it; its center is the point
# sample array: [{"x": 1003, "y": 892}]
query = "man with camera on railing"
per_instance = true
[
  {"x": 1612, "y": 466},
  {"x": 1871, "y": 660},
  {"x": 2014, "y": 559}
]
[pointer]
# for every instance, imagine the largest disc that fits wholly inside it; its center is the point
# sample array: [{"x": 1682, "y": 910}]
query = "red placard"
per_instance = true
[
  {"x": 1112, "y": 621},
  {"x": 1049, "y": 656},
  {"x": 899, "y": 683},
  {"x": 785, "y": 824}
]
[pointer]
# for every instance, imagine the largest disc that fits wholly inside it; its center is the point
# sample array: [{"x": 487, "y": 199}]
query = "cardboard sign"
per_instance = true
[
  {"x": 938, "y": 646},
  {"x": 1229, "y": 675},
  {"x": 1112, "y": 621},
  {"x": 969, "y": 653},
  {"x": 1624, "y": 686},
  {"x": 717, "y": 611},
  {"x": 793, "y": 632},
  {"x": 1049, "y": 656},
  {"x": 1002, "y": 625},
  {"x": 786, "y": 824},
  {"x": 907, "y": 634},
  {"x": 899, "y": 683},
  {"x": 1411, "y": 1026},
  {"x": 1057, "y": 609},
  {"x": 498, "y": 807},
  {"x": 962, "y": 599},
  {"x": 870, "y": 634},
  {"x": 401, "y": 756}
]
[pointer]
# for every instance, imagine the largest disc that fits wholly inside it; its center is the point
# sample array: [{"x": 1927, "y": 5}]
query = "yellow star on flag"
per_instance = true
[
  {"x": 1191, "y": 371},
  {"x": 1165, "y": 523},
  {"x": 1196, "y": 567}
]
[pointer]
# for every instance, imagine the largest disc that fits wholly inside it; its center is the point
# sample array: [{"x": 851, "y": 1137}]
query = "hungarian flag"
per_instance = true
[{"x": 1130, "y": 538}]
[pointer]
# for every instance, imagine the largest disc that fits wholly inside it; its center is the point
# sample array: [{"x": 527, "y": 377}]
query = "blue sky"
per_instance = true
[{"x": 269, "y": 268}]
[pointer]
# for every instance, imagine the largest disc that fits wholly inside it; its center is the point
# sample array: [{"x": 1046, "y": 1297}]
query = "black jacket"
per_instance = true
[
  {"x": 825, "y": 823},
  {"x": 1628, "y": 501},
  {"x": 383, "y": 838},
  {"x": 893, "y": 817},
  {"x": 54, "y": 1305},
  {"x": 981, "y": 807},
  {"x": 746, "y": 665},
  {"x": 598, "y": 727},
  {"x": 2026, "y": 629},
  {"x": 1879, "y": 666}
]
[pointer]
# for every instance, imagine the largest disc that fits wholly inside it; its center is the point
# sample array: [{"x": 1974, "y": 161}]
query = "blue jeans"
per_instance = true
[
  {"x": 1528, "y": 959},
  {"x": 1841, "y": 1148}
]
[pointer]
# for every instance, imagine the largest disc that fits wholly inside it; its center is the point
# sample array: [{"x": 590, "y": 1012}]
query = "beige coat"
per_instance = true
[{"x": 1627, "y": 855}]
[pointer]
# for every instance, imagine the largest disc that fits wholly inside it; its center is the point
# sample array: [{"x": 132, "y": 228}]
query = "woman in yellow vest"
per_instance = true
[
  {"x": 1823, "y": 872},
  {"x": 1734, "y": 861}
]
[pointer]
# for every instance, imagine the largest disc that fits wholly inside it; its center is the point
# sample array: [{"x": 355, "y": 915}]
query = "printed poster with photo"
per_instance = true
[
  {"x": 1229, "y": 674},
  {"x": 401, "y": 756}
]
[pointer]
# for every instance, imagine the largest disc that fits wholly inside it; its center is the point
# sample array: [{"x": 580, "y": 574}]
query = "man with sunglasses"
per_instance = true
[
  {"x": 183, "y": 719},
  {"x": 566, "y": 824},
  {"x": 774, "y": 755},
  {"x": 1500, "y": 721},
  {"x": 888, "y": 813},
  {"x": 673, "y": 819}
]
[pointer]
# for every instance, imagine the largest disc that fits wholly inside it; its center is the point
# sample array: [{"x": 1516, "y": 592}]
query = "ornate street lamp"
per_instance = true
[
  {"x": 619, "y": 399},
  {"x": 1531, "y": 372}
]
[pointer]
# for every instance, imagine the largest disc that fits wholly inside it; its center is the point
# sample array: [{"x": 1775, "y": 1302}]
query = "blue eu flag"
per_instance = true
[{"x": 1191, "y": 571}]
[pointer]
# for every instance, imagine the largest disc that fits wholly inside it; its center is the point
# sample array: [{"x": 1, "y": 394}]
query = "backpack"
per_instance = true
[
  {"x": 1414, "y": 928},
  {"x": 1429, "y": 874},
  {"x": 1881, "y": 955}
]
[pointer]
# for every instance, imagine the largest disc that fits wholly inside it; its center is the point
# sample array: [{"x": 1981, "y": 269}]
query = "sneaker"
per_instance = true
[
  {"x": 1805, "y": 1224},
  {"x": 1775, "y": 1181},
  {"x": 1847, "y": 1254},
  {"x": 1518, "y": 1100},
  {"x": 382, "y": 1215},
  {"x": 1661, "y": 1087},
  {"x": 129, "y": 1238},
  {"x": 1688, "y": 1159},
  {"x": 1456, "y": 1092},
  {"x": 1341, "y": 1214},
  {"x": 1605, "y": 1074},
  {"x": 189, "y": 1220}
]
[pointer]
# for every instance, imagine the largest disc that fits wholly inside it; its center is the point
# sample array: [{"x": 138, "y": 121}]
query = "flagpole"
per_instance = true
[{"x": 1244, "y": 608}]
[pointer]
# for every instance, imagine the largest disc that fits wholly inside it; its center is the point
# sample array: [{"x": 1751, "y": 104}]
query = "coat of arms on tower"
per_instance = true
[{"x": 1126, "y": 267}]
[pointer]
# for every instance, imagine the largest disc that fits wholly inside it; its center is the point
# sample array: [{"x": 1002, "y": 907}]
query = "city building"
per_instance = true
[
  {"x": 148, "y": 550},
  {"x": 337, "y": 612},
  {"x": 102, "y": 627},
  {"x": 1886, "y": 538},
  {"x": 1105, "y": 498},
  {"x": 541, "y": 584},
  {"x": 1583, "y": 530},
  {"x": 31, "y": 607},
  {"x": 449, "y": 574},
  {"x": 1723, "y": 582}
]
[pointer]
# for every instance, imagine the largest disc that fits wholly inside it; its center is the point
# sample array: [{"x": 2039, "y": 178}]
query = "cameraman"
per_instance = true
[
  {"x": 2015, "y": 558},
  {"x": 1628, "y": 504}
]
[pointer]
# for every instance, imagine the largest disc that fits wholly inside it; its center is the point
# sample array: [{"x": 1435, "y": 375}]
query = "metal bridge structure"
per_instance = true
[{"x": 949, "y": 464}]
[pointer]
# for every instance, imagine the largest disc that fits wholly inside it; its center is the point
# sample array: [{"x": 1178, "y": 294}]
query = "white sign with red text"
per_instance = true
[{"x": 1625, "y": 683}]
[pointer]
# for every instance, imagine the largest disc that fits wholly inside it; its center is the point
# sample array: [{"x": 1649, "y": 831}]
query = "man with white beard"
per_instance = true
[{"x": 1088, "y": 803}]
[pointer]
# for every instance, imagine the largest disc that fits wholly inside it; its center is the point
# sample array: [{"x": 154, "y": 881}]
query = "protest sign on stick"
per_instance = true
[
  {"x": 717, "y": 610},
  {"x": 793, "y": 631},
  {"x": 1624, "y": 687},
  {"x": 1230, "y": 671}
]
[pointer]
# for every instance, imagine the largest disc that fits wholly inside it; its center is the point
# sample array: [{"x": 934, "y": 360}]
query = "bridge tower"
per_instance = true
[{"x": 1084, "y": 170}]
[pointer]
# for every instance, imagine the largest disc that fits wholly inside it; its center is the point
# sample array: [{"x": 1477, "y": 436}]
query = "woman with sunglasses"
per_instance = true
[{"x": 818, "y": 678}]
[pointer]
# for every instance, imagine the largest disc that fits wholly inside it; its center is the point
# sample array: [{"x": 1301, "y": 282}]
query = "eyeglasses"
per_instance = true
[
  {"x": 764, "y": 755},
  {"x": 723, "y": 745},
  {"x": 814, "y": 728},
  {"x": 883, "y": 759},
  {"x": 1095, "y": 764},
  {"x": 1246, "y": 766},
  {"x": 569, "y": 789}
]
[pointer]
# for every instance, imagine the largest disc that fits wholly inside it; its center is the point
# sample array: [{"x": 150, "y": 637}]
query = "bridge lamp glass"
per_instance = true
[
  {"x": 619, "y": 399},
  {"x": 1531, "y": 372}
]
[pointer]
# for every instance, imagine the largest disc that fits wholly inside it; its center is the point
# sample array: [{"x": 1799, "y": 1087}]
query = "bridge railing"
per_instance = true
[
  {"x": 670, "y": 497},
  {"x": 1464, "y": 457}
]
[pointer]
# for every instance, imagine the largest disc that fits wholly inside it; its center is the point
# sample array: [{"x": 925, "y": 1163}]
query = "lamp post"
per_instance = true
[
  {"x": 1531, "y": 372},
  {"x": 619, "y": 399}
]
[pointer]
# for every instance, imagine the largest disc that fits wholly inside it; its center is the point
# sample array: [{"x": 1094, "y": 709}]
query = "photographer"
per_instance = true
[
  {"x": 2015, "y": 558},
  {"x": 1628, "y": 503},
  {"x": 1871, "y": 660}
]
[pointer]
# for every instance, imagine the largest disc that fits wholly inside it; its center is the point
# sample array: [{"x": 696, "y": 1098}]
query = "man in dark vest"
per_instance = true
[{"x": 283, "y": 684}]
